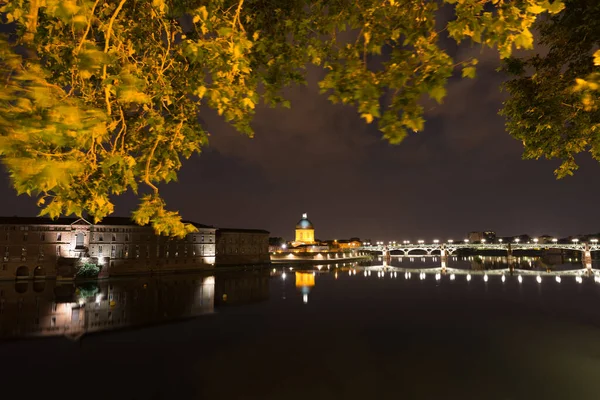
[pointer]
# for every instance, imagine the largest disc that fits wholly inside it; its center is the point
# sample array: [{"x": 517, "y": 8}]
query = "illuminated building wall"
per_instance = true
[
  {"x": 305, "y": 231},
  {"x": 242, "y": 246},
  {"x": 45, "y": 248}
]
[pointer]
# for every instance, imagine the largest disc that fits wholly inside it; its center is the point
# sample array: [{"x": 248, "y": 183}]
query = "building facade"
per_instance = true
[
  {"x": 242, "y": 246},
  {"x": 305, "y": 231},
  {"x": 45, "y": 248}
]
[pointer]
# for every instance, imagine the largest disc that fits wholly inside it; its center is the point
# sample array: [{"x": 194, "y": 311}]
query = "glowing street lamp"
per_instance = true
[
  {"x": 450, "y": 241},
  {"x": 284, "y": 246},
  {"x": 482, "y": 240},
  {"x": 535, "y": 240},
  {"x": 554, "y": 240},
  {"x": 594, "y": 240},
  {"x": 421, "y": 241},
  {"x": 575, "y": 240},
  {"x": 436, "y": 241},
  {"x": 466, "y": 240},
  {"x": 517, "y": 240},
  {"x": 499, "y": 240}
]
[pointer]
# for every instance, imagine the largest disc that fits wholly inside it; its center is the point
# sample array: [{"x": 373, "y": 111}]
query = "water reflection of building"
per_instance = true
[
  {"x": 242, "y": 287},
  {"x": 47, "y": 308},
  {"x": 305, "y": 281}
]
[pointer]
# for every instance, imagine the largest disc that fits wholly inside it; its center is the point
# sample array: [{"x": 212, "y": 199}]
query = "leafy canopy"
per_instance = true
[
  {"x": 102, "y": 96},
  {"x": 554, "y": 100}
]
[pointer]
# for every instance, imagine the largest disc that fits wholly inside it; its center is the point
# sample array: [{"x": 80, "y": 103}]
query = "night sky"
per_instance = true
[{"x": 462, "y": 173}]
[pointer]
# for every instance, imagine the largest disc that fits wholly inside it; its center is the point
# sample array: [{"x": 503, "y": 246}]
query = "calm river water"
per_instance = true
[{"x": 339, "y": 332}]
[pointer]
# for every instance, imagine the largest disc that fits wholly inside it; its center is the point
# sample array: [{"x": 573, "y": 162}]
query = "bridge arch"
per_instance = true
[
  {"x": 39, "y": 272},
  {"x": 417, "y": 252},
  {"x": 22, "y": 272}
]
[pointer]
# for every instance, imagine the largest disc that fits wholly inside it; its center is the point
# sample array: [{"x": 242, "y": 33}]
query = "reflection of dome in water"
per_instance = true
[
  {"x": 304, "y": 223},
  {"x": 305, "y": 281}
]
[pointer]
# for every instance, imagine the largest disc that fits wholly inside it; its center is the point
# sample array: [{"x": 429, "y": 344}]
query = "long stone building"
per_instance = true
[{"x": 45, "y": 248}]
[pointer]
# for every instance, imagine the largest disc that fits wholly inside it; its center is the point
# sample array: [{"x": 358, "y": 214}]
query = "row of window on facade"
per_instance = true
[
  {"x": 100, "y": 237},
  {"x": 124, "y": 251},
  {"x": 36, "y": 228}
]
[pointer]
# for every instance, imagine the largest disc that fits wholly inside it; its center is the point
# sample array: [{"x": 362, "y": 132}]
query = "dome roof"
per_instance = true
[{"x": 304, "y": 223}]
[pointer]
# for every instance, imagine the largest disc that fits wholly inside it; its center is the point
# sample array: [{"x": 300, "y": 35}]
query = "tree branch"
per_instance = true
[
  {"x": 106, "y": 45},
  {"x": 87, "y": 30},
  {"x": 32, "y": 19},
  {"x": 150, "y": 157}
]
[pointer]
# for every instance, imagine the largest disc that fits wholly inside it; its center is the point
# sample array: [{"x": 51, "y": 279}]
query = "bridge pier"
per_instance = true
[
  {"x": 387, "y": 257},
  {"x": 587, "y": 258},
  {"x": 510, "y": 259},
  {"x": 444, "y": 259}
]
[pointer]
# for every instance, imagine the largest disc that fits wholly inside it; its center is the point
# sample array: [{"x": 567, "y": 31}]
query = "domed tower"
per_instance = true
[{"x": 305, "y": 231}]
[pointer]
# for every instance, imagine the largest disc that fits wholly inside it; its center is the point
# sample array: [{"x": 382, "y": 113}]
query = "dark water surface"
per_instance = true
[{"x": 258, "y": 335}]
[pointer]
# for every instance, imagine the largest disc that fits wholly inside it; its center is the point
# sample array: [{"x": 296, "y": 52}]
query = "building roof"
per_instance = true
[
  {"x": 36, "y": 221},
  {"x": 120, "y": 221},
  {"x": 304, "y": 223},
  {"x": 238, "y": 230}
]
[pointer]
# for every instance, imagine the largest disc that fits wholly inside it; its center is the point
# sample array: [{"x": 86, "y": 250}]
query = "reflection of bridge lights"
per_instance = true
[
  {"x": 406, "y": 275},
  {"x": 305, "y": 298},
  {"x": 274, "y": 270},
  {"x": 468, "y": 277},
  {"x": 354, "y": 272},
  {"x": 578, "y": 279},
  {"x": 395, "y": 274},
  {"x": 438, "y": 277},
  {"x": 350, "y": 273},
  {"x": 538, "y": 279},
  {"x": 596, "y": 278},
  {"x": 283, "y": 276},
  {"x": 558, "y": 280},
  {"x": 520, "y": 279},
  {"x": 369, "y": 273},
  {"x": 365, "y": 273},
  {"x": 503, "y": 278},
  {"x": 485, "y": 278}
]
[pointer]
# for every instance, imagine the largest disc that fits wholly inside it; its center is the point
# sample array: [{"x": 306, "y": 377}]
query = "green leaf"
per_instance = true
[{"x": 468, "y": 72}]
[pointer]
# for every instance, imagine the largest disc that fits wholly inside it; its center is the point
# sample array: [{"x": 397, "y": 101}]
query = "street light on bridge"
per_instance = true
[
  {"x": 517, "y": 240},
  {"x": 436, "y": 241},
  {"x": 575, "y": 240},
  {"x": 554, "y": 240},
  {"x": 450, "y": 241},
  {"x": 466, "y": 240},
  {"x": 482, "y": 240},
  {"x": 594, "y": 240},
  {"x": 421, "y": 241},
  {"x": 535, "y": 240},
  {"x": 499, "y": 240}
]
